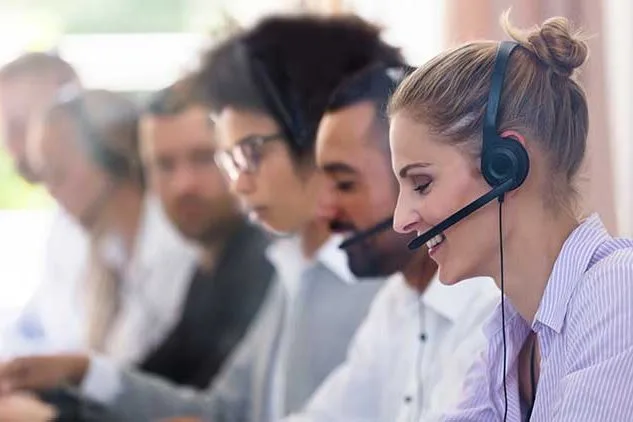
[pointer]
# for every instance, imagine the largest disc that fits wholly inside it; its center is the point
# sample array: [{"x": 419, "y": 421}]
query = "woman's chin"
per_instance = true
[{"x": 449, "y": 277}]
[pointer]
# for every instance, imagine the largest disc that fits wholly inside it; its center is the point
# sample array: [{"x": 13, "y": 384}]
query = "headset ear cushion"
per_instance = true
[
  {"x": 522, "y": 161},
  {"x": 505, "y": 159}
]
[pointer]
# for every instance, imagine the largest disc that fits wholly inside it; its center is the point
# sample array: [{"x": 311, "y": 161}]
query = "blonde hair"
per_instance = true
[{"x": 541, "y": 97}]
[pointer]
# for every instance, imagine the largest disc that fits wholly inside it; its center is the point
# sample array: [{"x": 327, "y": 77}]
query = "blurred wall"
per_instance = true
[{"x": 477, "y": 19}]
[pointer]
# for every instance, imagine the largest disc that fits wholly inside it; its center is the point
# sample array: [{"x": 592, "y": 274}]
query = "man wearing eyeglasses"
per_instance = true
[{"x": 268, "y": 89}]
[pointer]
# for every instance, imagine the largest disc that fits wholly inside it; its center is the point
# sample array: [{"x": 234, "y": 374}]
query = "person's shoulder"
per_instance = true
[
  {"x": 605, "y": 291},
  {"x": 393, "y": 295},
  {"x": 64, "y": 229},
  {"x": 610, "y": 275},
  {"x": 248, "y": 245},
  {"x": 391, "y": 309},
  {"x": 66, "y": 250},
  {"x": 480, "y": 297},
  {"x": 480, "y": 288}
]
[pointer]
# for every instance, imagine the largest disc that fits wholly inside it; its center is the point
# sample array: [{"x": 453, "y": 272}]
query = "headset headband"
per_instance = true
[{"x": 504, "y": 51}]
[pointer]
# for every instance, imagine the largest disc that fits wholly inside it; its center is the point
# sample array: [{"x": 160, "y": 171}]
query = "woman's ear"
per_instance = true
[
  {"x": 514, "y": 135},
  {"x": 520, "y": 139}
]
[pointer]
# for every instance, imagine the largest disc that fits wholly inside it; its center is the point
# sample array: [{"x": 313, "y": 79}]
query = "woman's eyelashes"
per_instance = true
[
  {"x": 422, "y": 189},
  {"x": 421, "y": 184}
]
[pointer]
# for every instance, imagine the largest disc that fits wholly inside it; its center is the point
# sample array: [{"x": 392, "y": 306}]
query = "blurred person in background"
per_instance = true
[
  {"x": 86, "y": 149},
  {"x": 28, "y": 85},
  {"x": 268, "y": 88},
  {"x": 420, "y": 336},
  {"x": 232, "y": 272}
]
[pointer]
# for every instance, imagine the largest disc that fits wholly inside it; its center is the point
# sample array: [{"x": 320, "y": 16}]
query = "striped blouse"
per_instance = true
[{"x": 584, "y": 326}]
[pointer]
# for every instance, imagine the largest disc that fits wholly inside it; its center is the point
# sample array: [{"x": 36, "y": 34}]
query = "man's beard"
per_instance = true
[
  {"x": 364, "y": 259},
  {"x": 208, "y": 232}
]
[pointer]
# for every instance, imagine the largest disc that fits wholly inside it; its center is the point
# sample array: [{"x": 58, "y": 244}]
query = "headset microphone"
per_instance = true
[
  {"x": 362, "y": 235},
  {"x": 497, "y": 192}
]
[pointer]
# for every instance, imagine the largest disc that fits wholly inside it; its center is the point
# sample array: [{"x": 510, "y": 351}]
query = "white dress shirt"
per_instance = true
[
  {"x": 303, "y": 332},
  {"x": 155, "y": 280},
  {"x": 50, "y": 322},
  {"x": 409, "y": 355},
  {"x": 292, "y": 268}
]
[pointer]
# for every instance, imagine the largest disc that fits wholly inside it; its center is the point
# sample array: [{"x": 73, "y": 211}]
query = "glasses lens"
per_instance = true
[
  {"x": 242, "y": 158},
  {"x": 225, "y": 162}
]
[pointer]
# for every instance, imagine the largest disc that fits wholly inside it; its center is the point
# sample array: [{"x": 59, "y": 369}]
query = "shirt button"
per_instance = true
[
  {"x": 408, "y": 399},
  {"x": 422, "y": 337}
]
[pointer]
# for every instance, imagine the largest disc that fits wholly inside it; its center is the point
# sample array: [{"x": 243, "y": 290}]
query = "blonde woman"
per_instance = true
[{"x": 561, "y": 349}]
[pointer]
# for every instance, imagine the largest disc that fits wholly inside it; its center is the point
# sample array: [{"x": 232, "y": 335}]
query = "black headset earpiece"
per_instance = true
[
  {"x": 502, "y": 158},
  {"x": 114, "y": 163},
  {"x": 504, "y": 161},
  {"x": 277, "y": 101}
]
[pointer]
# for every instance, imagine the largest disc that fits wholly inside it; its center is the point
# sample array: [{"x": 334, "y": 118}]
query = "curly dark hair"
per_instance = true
[{"x": 288, "y": 67}]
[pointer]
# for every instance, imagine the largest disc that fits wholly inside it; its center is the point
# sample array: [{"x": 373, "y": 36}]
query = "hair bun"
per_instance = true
[{"x": 554, "y": 43}]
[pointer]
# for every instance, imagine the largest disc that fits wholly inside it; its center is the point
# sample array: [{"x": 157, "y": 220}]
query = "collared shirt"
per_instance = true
[
  {"x": 294, "y": 273},
  {"x": 154, "y": 281},
  {"x": 302, "y": 333},
  {"x": 48, "y": 323},
  {"x": 584, "y": 329},
  {"x": 408, "y": 355}
]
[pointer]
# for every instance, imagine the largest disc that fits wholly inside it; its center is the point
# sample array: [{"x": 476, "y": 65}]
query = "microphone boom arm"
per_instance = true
[
  {"x": 383, "y": 225},
  {"x": 496, "y": 192}
]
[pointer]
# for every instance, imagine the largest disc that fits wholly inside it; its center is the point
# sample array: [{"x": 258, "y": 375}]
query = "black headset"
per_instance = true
[
  {"x": 504, "y": 161},
  {"x": 278, "y": 98},
  {"x": 115, "y": 164},
  {"x": 501, "y": 158}
]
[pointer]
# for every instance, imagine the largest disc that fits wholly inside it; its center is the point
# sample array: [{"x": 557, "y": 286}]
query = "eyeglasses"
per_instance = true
[{"x": 245, "y": 157}]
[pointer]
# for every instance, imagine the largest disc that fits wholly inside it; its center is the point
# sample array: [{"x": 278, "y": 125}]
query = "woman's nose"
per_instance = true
[{"x": 405, "y": 219}]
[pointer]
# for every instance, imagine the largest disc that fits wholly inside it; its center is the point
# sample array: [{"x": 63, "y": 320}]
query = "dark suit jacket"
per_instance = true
[{"x": 218, "y": 310}]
